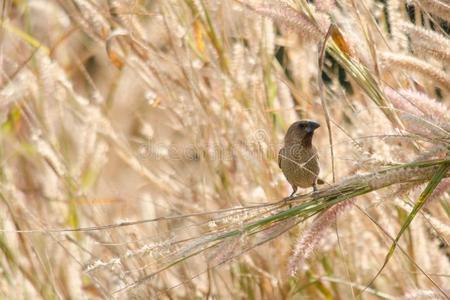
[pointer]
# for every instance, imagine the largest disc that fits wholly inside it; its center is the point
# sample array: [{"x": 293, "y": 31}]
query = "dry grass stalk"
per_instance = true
[{"x": 138, "y": 143}]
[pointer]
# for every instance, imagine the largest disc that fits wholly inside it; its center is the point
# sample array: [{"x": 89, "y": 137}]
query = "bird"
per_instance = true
[{"x": 298, "y": 159}]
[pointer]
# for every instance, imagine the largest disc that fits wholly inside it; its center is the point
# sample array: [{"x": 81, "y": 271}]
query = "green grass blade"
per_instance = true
[{"x": 435, "y": 180}]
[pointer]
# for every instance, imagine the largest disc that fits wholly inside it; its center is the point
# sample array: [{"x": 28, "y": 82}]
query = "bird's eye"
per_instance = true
[{"x": 302, "y": 125}]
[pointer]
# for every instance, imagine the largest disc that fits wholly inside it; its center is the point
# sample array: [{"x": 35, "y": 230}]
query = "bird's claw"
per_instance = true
[{"x": 288, "y": 198}]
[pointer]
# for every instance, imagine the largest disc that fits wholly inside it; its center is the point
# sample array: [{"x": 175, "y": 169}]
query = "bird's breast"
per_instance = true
[{"x": 300, "y": 165}]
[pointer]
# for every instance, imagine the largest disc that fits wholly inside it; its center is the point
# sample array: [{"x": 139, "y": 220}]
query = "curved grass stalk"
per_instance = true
[
  {"x": 308, "y": 205},
  {"x": 435, "y": 180}
]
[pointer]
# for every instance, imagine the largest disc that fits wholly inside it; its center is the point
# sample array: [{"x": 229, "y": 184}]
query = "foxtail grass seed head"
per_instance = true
[{"x": 147, "y": 149}]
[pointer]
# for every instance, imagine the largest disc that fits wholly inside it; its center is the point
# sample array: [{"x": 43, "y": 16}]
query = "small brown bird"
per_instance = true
[{"x": 298, "y": 158}]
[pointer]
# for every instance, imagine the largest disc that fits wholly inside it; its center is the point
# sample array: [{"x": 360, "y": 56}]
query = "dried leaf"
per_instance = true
[
  {"x": 113, "y": 54},
  {"x": 198, "y": 33},
  {"x": 340, "y": 41}
]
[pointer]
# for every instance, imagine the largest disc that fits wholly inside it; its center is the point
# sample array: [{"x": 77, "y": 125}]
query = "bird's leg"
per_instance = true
[
  {"x": 315, "y": 189},
  {"x": 294, "y": 188}
]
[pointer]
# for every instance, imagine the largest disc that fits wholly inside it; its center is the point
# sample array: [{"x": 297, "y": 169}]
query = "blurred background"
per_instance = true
[{"x": 118, "y": 111}]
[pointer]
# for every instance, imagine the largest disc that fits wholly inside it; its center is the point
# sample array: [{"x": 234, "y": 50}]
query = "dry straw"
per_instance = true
[{"x": 161, "y": 120}]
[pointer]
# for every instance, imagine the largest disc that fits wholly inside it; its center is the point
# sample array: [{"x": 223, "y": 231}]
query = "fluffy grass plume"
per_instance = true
[{"x": 139, "y": 142}]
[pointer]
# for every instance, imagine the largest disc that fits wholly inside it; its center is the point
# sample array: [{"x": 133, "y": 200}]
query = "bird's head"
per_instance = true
[{"x": 301, "y": 132}]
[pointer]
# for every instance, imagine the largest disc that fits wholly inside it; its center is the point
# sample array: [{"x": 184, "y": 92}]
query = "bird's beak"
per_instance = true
[{"x": 312, "y": 126}]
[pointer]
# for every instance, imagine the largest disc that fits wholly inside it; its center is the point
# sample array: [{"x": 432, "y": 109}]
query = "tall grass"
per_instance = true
[{"x": 139, "y": 143}]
